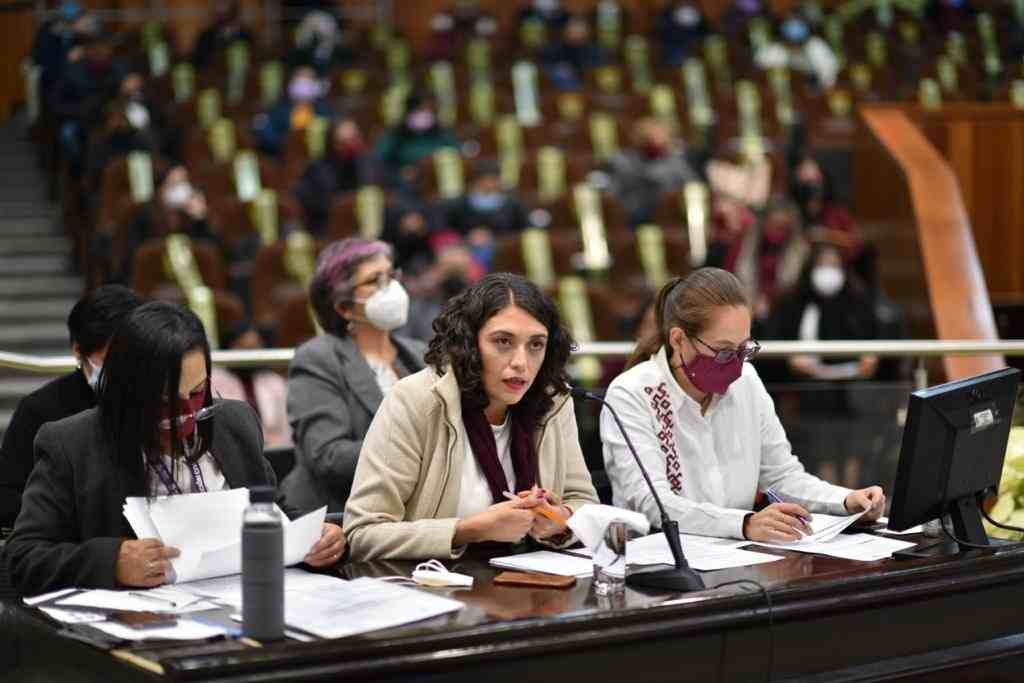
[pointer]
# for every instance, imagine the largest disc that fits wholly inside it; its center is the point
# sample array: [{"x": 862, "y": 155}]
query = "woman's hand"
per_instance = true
[
  {"x": 507, "y": 522},
  {"x": 871, "y": 499},
  {"x": 543, "y": 526},
  {"x": 777, "y": 523},
  {"x": 329, "y": 549},
  {"x": 144, "y": 563}
]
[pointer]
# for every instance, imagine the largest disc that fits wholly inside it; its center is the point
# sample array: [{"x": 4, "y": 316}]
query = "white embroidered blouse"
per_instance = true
[{"x": 707, "y": 468}]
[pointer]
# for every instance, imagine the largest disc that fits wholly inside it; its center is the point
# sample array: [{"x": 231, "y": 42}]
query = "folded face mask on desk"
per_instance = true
[{"x": 433, "y": 573}]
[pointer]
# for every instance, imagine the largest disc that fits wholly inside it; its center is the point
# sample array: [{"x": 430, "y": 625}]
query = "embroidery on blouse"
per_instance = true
[{"x": 662, "y": 407}]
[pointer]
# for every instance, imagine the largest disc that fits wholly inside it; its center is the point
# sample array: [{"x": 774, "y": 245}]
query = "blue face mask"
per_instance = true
[
  {"x": 795, "y": 30},
  {"x": 486, "y": 202}
]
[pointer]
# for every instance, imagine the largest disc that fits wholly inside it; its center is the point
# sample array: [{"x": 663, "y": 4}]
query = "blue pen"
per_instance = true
[{"x": 774, "y": 497}]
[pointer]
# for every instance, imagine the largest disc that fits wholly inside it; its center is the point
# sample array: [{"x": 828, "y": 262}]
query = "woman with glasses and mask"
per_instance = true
[
  {"x": 465, "y": 451},
  {"x": 338, "y": 379},
  {"x": 706, "y": 429},
  {"x": 155, "y": 432}
]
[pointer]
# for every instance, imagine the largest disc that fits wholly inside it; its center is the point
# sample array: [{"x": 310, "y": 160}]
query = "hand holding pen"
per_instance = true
[
  {"x": 550, "y": 517},
  {"x": 780, "y": 522}
]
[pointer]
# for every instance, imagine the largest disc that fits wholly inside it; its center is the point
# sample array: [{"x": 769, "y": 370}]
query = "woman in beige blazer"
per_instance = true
[{"x": 474, "y": 447}]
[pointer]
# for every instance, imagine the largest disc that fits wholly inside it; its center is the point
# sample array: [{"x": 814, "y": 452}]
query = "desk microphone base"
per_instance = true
[{"x": 679, "y": 580}]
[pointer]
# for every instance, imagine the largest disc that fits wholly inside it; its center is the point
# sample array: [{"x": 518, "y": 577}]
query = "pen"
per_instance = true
[
  {"x": 144, "y": 596},
  {"x": 774, "y": 497},
  {"x": 543, "y": 509}
]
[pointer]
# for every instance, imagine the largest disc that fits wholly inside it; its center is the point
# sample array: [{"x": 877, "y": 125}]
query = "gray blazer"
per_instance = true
[{"x": 332, "y": 398}]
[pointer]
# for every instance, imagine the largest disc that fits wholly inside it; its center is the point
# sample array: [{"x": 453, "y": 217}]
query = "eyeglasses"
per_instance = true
[
  {"x": 200, "y": 415},
  {"x": 382, "y": 279},
  {"x": 745, "y": 352}
]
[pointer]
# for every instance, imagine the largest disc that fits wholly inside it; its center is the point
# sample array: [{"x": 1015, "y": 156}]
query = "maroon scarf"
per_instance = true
[{"x": 481, "y": 440}]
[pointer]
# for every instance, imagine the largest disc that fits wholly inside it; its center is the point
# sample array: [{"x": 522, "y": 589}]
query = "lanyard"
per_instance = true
[{"x": 198, "y": 481}]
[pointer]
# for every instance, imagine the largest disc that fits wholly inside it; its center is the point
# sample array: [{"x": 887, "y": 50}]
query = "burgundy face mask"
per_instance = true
[
  {"x": 186, "y": 409},
  {"x": 709, "y": 376}
]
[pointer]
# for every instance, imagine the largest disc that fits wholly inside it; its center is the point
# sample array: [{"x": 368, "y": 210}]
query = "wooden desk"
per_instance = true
[{"x": 834, "y": 620}]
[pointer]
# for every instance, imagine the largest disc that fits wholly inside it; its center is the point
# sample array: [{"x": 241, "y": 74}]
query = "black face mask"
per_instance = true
[{"x": 453, "y": 286}]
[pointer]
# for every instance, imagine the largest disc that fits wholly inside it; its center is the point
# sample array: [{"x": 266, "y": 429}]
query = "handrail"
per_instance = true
[{"x": 919, "y": 348}]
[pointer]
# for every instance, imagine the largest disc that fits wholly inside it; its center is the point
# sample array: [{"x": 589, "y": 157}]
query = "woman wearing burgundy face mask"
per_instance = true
[
  {"x": 705, "y": 427},
  {"x": 156, "y": 431}
]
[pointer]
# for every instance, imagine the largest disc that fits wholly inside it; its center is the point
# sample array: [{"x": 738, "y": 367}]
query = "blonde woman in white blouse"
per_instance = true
[{"x": 705, "y": 427}]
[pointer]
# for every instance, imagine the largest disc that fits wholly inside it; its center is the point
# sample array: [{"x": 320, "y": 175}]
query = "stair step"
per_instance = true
[
  {"x": 33, "y": 265},
  {"x": 41, "y": 244},
  {"x": 41, "y": 286},
  {"x": 28, "y": 226},
  {"x": 35, "y": 309},
  {"x": 41, "y": 332},
  {"x": 16, "y": 389}
]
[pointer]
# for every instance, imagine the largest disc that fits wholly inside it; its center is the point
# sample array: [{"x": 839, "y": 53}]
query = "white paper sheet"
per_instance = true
[
  {"x": 703, "y": 553},
  {"x": 207, "y": 529},
  {"x": 68, "y": 616},
  {"x": 228, "y": 589},
  {"x": 36, "y": 599},
  {"x": 861, "y": 547},
  {"x": 348, "y": 608},
  {"x": 185, "y": 629},
  {"x": 546, "y": 562},
  {"x": 892, "y": 532},
  {"x": 162, "y": 599},
  {"x": 824, "y": 528}
]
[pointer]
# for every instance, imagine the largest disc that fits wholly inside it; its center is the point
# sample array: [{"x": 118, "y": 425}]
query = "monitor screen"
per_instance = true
[{"x": 953, "y": 447}]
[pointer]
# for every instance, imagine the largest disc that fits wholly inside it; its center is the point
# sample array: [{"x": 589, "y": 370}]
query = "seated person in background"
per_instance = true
[
  {"x": 90, "y": 325},
  {"x": 319, "y": 43},
  {"x": 265, "y": 390},
  {"x": 828, "y": 221},
  {"x": 337, "y": 380},
  {"x": 417, "y": 136},
  {"x": 734, "y": 20},
  {"x": 305, "y": 98},
  {"x": 681, "y": 28},
  {"x": 656, "y": 164},
  {"x": 705, "y": 427},
  {"x": 491, "y": 415},
  {"x": 177, "y": 207},
  {"x": 828, "y": 304},
  {"x": 227, "y": 27},
  {"x": 156, "y": 431},
  {"x": 488, "y": 211},
  {"x": 131, "y": 123},
  {"x": 567, "y": 59},
  {"x": 549, "y": 12},
  {"x": 343, "y": 168},
  {"x": 408, "y": 225}
]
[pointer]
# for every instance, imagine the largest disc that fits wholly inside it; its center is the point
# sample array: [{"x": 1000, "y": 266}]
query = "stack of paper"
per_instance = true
[
  {"x": 702, "y": 552},
  {"x": 861, "y": 547},
  {"x": 546, "y": 562},
  {"x": 330, "y": 607},
  {"x": 207, "y": 529}
]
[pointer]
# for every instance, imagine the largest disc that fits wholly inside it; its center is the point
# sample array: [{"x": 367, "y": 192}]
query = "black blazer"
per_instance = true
[
  {"x": 71, "y": 526},
  {"x": 63, "y": 397}
]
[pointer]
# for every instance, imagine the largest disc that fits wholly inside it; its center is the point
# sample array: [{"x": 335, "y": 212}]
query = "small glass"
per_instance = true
[{"x": 610, "y": 561}]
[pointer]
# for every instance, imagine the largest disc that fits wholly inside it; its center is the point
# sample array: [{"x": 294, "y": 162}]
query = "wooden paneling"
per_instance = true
[
  {"x": 956, "y": 283},
  {"x": 18, "y": 30}
]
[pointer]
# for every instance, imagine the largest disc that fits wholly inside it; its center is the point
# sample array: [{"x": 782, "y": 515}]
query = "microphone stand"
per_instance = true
[{"x": 681, "y": 577}]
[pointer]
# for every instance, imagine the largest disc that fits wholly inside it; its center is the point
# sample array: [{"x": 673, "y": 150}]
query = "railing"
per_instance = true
[{"x": 52, "y": 365}]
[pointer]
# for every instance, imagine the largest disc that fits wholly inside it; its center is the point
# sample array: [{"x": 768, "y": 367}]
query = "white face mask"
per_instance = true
[
  {"x": 137, "y": 115},
  {"x": 95, "y": 372},
  {"x": 388, "y": 308},
  {"x": 828, "y": 280},
  {"x": 177, "y": 195}
]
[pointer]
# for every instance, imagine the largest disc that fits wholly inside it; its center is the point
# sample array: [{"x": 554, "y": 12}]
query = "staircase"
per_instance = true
[{"x": 37, "y": 285}]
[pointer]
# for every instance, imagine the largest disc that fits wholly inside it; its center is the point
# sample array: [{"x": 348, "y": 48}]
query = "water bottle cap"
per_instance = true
[{"x": 261, "y": 494}]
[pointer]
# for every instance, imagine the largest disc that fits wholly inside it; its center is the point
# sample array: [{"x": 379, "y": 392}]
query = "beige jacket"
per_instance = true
[{"x": 406, "y": 490}]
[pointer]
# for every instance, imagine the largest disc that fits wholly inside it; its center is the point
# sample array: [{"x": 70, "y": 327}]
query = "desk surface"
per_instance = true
[{"x": 832, "y": 619}]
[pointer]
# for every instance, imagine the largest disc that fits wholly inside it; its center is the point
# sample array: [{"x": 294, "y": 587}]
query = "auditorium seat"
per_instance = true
[{"x": 150, "y": 276}]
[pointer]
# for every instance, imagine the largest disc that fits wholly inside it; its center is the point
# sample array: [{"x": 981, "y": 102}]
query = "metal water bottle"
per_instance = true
[{"x": 262, "y": 567}]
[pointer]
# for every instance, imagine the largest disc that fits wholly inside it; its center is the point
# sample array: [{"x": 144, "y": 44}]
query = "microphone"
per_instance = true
[{"x": 681, "y": 577}]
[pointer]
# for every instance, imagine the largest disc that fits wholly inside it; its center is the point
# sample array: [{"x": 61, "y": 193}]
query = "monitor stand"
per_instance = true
[{"x": 966, "y": 518}]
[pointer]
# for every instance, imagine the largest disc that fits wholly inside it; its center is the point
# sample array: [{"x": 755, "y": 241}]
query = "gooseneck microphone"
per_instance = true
[{"x": 681, "y": 577}]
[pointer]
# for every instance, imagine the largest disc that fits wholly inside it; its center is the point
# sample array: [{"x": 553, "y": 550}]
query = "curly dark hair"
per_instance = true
[{"x": 456, "y": 330}]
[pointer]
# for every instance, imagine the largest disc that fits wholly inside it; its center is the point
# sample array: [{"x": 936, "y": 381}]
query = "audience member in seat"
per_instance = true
[
  {"x": 227, "y": 28},
  {"x": 337, "y": 380},
  {"x": 319, "y": 43},
  {"x": 132, "y": 123},
  {"x": 548, "y": 12},
  {"x": 656, "y": 164},
  {"x": 305, "y": 98},
  {"x": 488, "y": 211},
  {"x": 342, "y": 169},
  {"x": 567, "y": 60},
  {"x": 705, "y": 427},
  {"x": 492, "y": 414},
  {"x": 681, "y": 28},
  {"x": 178, "y": 207},
  {"x": 417, "y": 136},
  {"x": 266, "y": 391},
  {"x": 77, "y": 98},
  {"x": 90, "y": 325},
  {"x": 156, "y": 431},
  {"x": 828, "y": 303}
]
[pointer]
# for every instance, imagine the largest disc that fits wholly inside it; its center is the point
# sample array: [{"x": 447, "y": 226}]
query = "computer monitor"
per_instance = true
[{"x": 953, "y": 447}]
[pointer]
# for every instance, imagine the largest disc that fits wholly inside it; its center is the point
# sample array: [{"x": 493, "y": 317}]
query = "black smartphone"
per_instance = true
[{"x": 143, "y": 620}]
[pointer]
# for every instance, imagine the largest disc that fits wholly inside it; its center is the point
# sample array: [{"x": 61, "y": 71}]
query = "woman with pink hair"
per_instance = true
[{"x": 338, "y": 379}]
